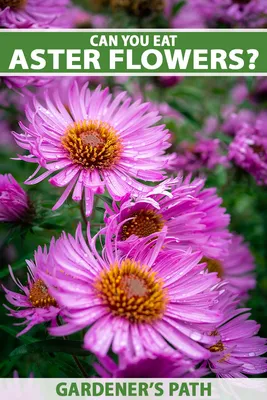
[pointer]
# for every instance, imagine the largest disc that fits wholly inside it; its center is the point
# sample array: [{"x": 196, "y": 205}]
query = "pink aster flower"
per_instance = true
[
  {"x": 236, "y": 268},
  {"x": 147, "y": 304},
  {"x": 248, "y": 150},
  {"x": 169, "y": 81},
  {"x": 238, "y": 351},
  {"x": 15, "y": 205},
  {"x": 18, "y": 82},
  {"x": 194, "y": 157},
  {"x": 31, "y": 13},
  {"x": 187, "y": 17},
  {"x": 61, "y": 85},
  {"x": 98, "y": 142},
  {"x": 156, "y": 367},
  {"x": 257, "y": 94},
  {"x": 34, "y": 304},
  {"x": 232, "y": 13},
  {"x": 76, "y": 17},
  {"x": 234, "y": 121},
  {"x": 163, "y": 108},
  {"x": 240, "y": 92},
  {"x": 193, "y": 216}
]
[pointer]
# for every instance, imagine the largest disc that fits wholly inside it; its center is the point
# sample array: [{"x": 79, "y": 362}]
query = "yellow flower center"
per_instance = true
[
  {"x": 132, "y": 291},
  {"x": 214, "y": 266},
  {"x": 13, "y": 3},
  {"x": 39, "y": 295},
  {"x": 144, "y": 223},
  {"x": 92, "y": 144}
]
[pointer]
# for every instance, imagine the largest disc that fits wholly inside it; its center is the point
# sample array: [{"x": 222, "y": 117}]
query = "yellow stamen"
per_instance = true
[
  {"x": 39, "y": 295},
  {"x": 92, "y": 144},
  {"x": 143, "y": 224},
  {"x": 132, "y": 291}
]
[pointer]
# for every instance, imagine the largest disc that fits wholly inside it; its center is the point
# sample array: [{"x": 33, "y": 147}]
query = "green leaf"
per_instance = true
[
  {"x": 16, "y": 266},
  {"x": 181, "y": 108},
  {"x": 177, "y": 7},
  {"x": 52, "y": 346},
  {"x": 224, "y": 138},
  {"x": 105, "y": 199},
  {"x": 13, "y": 332}
]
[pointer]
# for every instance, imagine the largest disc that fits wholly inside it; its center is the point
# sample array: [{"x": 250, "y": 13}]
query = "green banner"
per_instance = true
[{"x": 133, "y": 52}]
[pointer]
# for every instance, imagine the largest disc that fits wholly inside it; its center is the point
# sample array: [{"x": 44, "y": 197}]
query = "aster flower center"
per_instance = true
[
  {"x": 214, "y": 266},
  {"x": 93, "y": 144},
  {"x": 144, "y": 223},
  {"x": 39, "y": 295},
  {"x": 131, "y": 291},
  {"x": 12, "y": 3}
]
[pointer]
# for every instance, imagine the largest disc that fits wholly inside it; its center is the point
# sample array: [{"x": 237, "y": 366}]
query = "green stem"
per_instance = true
[
  {"x": 75, "y": 359},
  {"x": 84, "y": 218},
  {"x": 79, "y": 365}
]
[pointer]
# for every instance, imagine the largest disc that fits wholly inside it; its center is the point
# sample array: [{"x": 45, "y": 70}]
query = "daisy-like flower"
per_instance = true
[
  {"x": 34, "y": 303},
  {"x": 147, "y": 304},
  {"x": 236, "y": 268},
  {"x": 15, "y": 205},
  {"x": 192, "y": 215},
  {"x": 238, "y": 351},
  {"x": 98, "y": 142},
  {"x": 156, "y": 367},
  {"x": 31, "y": 13},
  {"x": 248, "y": 150},
  {"x": 194, "y": 157}
]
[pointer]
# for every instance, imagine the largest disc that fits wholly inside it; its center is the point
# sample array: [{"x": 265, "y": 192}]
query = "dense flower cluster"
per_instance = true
[
  {"x": 202, "y": 154},
  {"x": 219, "y": 14},
  {"x": 249, "y": 151}
]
